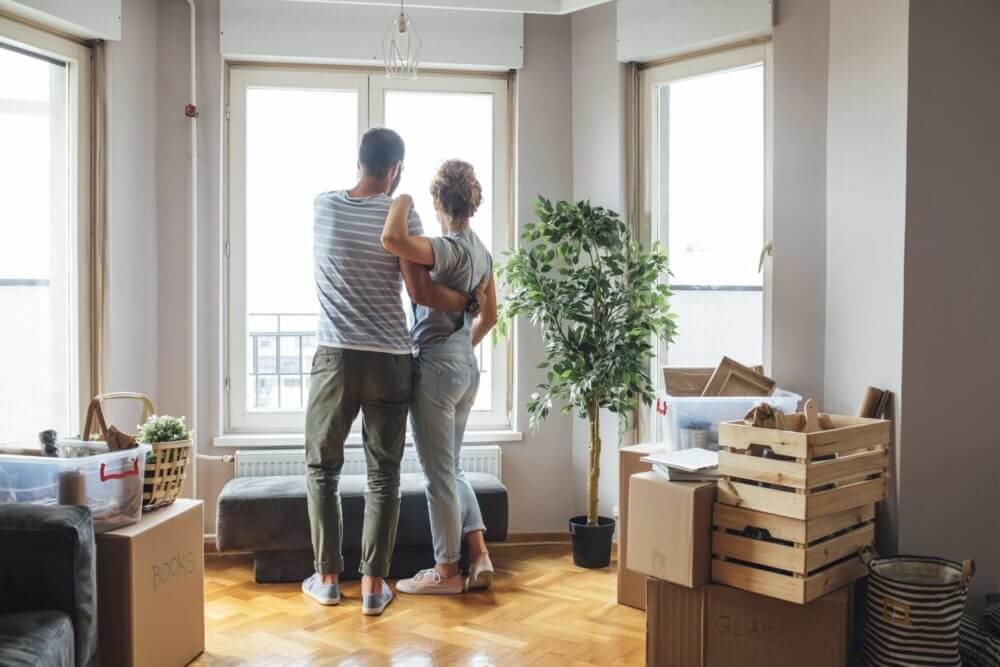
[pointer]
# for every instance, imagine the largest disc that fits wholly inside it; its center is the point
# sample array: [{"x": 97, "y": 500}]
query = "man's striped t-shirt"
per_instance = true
[{"x": 357, "y": 281}]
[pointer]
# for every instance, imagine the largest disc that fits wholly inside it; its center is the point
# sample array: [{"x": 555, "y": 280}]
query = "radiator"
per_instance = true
[{"x": 268, "y": 462}]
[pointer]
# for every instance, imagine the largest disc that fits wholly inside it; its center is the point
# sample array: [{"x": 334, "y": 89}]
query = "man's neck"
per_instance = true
[{"x": 367, "y": 187}]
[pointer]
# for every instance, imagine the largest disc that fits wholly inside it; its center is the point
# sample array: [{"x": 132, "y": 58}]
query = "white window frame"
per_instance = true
[
  {"x": 78, "y": 59},
  {"x": 371, "y": 86},
  {"x": 656, "y": 225}
]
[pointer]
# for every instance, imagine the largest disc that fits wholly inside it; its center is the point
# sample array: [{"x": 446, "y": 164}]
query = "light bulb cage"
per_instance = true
[{"x": 401, "y": 48}]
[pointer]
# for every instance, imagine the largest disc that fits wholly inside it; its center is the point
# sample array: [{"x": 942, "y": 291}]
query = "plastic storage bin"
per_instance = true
[
  {"x": 693, "y": 421},
  {"x": 110, "y": 484}
]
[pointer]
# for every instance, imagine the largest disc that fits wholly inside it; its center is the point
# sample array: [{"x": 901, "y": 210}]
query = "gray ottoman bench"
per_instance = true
[{"x": 268, "y": 516}]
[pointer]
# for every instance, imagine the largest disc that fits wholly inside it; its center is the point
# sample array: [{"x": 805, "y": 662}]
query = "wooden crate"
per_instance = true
[
  {"x": 812, "y": 475},
  {"x": 791, "y": 559}
]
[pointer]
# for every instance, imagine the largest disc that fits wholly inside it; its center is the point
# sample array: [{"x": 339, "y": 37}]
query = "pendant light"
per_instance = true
[{"x": 401, "y": 47}]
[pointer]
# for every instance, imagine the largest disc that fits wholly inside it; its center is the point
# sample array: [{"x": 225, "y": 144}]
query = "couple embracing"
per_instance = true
[{"x": 365, "y": 244}]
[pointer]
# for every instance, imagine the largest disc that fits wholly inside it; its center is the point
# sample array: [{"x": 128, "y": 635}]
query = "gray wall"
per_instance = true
[
  {"x": 866, "y": 208},
  {"x": 536, "y": 471},
  {"x": 174, "y": 208},
  {"x": 598, "y": 120},
  {"x": 132, "y": 259},
  {"x": 800, "y": 49},
  {"x": 950, "y": 456}
]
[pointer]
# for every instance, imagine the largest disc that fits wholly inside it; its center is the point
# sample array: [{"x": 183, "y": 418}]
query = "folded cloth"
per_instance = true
[
  {"x": 977, "y": 647},
  {"x": 991, "y": 616},
  {"x": 764, "y": 416}
]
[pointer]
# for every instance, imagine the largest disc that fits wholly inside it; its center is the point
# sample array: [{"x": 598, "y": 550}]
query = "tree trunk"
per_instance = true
[{"x": 594, "y": 450}]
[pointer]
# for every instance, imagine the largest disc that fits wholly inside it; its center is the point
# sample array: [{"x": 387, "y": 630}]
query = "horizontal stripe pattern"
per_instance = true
[
  {"x": 911, "y": 623},
  {"x": 357, "y": 281},
  {"x": 977, "y": 646}
]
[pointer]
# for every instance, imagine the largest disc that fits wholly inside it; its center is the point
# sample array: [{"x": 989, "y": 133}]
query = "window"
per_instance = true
[
  {"x": 44, "y": 206},
  {"x": 293, "y": 133},
  {"x": 706, "y": 156}
]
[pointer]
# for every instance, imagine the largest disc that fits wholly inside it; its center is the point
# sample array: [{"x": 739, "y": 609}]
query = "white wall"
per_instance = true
[
  {"x": 866, "y": 209},
  {"x": 652, "y": 29},
  {"x": 800, "y": 50},
  {"x": 91, "y": 19},
  {"x": 269, "y": 29},
  {"x": 948, "y": 496},
  {"x": 598, "y": 120}
]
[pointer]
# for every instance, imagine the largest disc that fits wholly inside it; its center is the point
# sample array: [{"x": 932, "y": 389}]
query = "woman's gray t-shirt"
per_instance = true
[{"x": 461, "y": 261}]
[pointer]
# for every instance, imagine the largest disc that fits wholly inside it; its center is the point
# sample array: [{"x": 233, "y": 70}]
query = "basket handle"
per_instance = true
[
  {"x": 126, "y": 472},
  {"x": 867, "y": 554},
  {"x": 968, "y": 570},
  {"x": 96, "y": 411},
  {"x": 728, "y": 493}
]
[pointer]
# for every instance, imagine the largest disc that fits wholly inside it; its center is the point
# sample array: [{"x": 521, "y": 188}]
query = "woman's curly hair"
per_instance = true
[{"x": 456, "y": 190}]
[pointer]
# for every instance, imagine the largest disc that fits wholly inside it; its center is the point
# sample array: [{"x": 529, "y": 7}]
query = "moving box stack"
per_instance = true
[{"x": 756, "y": 570}]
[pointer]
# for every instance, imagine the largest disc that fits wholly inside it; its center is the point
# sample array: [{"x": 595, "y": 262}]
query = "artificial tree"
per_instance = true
[{"x": 597, "y": 296}]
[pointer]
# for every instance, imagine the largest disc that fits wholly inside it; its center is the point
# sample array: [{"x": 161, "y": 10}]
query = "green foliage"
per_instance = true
[
  {"x": 597, "y": 297},
  {"x": 163, "y": 429}
]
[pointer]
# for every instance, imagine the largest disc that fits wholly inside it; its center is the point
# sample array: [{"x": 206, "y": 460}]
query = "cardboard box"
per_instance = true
[
  {"x": 150, "y": 588},
  {"x": 670, "y": 529},
  {"x": 631, "y": 584},
  {"x": 718, "y": 626}
]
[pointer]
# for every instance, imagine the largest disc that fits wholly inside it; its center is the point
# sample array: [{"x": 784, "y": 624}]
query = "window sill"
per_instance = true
[{"x": 251, "y": 440}]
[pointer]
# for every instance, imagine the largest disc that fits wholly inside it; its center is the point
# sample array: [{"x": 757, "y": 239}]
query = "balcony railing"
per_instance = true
[{"x": 281, "y": 348}]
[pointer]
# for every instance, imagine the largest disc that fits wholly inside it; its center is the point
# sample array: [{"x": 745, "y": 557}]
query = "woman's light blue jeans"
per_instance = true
[{"x": 442, "y": 399}]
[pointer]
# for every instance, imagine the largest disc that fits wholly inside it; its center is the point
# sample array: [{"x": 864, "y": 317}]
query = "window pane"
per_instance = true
[
  {"x": 438, "y": 127},
  {"x": 299, "y": 143},
  {"x": 37, "y": 263},
  {"x": 711, "y": 202},
  {"x": 290, "y": 354}
]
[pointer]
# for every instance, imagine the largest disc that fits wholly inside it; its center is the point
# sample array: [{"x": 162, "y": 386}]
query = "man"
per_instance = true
[{"x": 364, "y": 364}]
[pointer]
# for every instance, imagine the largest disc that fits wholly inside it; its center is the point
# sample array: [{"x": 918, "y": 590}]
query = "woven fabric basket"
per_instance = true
[
  {"x": 915, "y": 608},
  {"x": 166, "y": 468}
]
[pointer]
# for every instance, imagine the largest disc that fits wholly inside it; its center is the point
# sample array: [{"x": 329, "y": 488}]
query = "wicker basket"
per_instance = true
[
  {"x": 166, "y": 469},
  {"x": 166, "y": 466}
]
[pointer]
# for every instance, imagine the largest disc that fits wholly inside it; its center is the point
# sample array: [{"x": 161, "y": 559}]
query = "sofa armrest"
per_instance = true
[{"x": 47, "y": 562}]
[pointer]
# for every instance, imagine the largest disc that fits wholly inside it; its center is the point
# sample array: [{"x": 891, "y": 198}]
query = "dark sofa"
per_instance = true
[
  {"x": 48, "y": 586},
  {"x": 268, "y": 516}
]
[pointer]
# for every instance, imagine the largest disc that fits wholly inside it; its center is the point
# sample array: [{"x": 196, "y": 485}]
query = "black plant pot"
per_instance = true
[{"x": 591, "y": 544}]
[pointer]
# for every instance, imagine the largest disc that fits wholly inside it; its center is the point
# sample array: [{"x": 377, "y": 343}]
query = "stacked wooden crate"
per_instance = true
[{"x": 794, "y": 508}]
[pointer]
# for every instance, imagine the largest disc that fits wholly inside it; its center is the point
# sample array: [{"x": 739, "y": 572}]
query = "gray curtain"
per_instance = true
[{"x": 99, "y": 211}]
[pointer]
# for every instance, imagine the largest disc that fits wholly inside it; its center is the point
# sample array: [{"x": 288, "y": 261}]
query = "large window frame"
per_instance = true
[
  {"x": 77, "y": 58},
  {"x": 285, "y": 428},
  {"x": 655, "y": 221}
]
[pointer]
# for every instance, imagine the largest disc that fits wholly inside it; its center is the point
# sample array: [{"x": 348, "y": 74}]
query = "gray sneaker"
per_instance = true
[
  {"x": 326, "y": 594},
  {"x": 375, "y": 604}
]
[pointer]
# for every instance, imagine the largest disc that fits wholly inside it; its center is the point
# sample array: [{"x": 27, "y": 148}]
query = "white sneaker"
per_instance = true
[
  {"x": 429, "y": 582},
  {"x": 480, "y": 575}
]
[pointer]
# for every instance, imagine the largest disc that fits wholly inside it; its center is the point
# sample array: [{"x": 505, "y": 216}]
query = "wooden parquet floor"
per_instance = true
[{"x": 543, "y": 611}]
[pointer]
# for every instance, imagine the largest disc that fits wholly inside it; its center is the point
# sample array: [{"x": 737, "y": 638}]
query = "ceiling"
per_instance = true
[{"x": 519, "y": 6}]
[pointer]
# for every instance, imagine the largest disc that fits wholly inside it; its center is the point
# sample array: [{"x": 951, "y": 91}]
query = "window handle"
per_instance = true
[{"x": 765, "y": 251}]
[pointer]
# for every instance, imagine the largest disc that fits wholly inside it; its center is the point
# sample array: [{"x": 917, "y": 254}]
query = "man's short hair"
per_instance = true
[{"x": 380, "y": 149}]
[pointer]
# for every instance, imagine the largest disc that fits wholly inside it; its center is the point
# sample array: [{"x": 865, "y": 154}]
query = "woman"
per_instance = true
[{"x": 448, "y": 377}]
